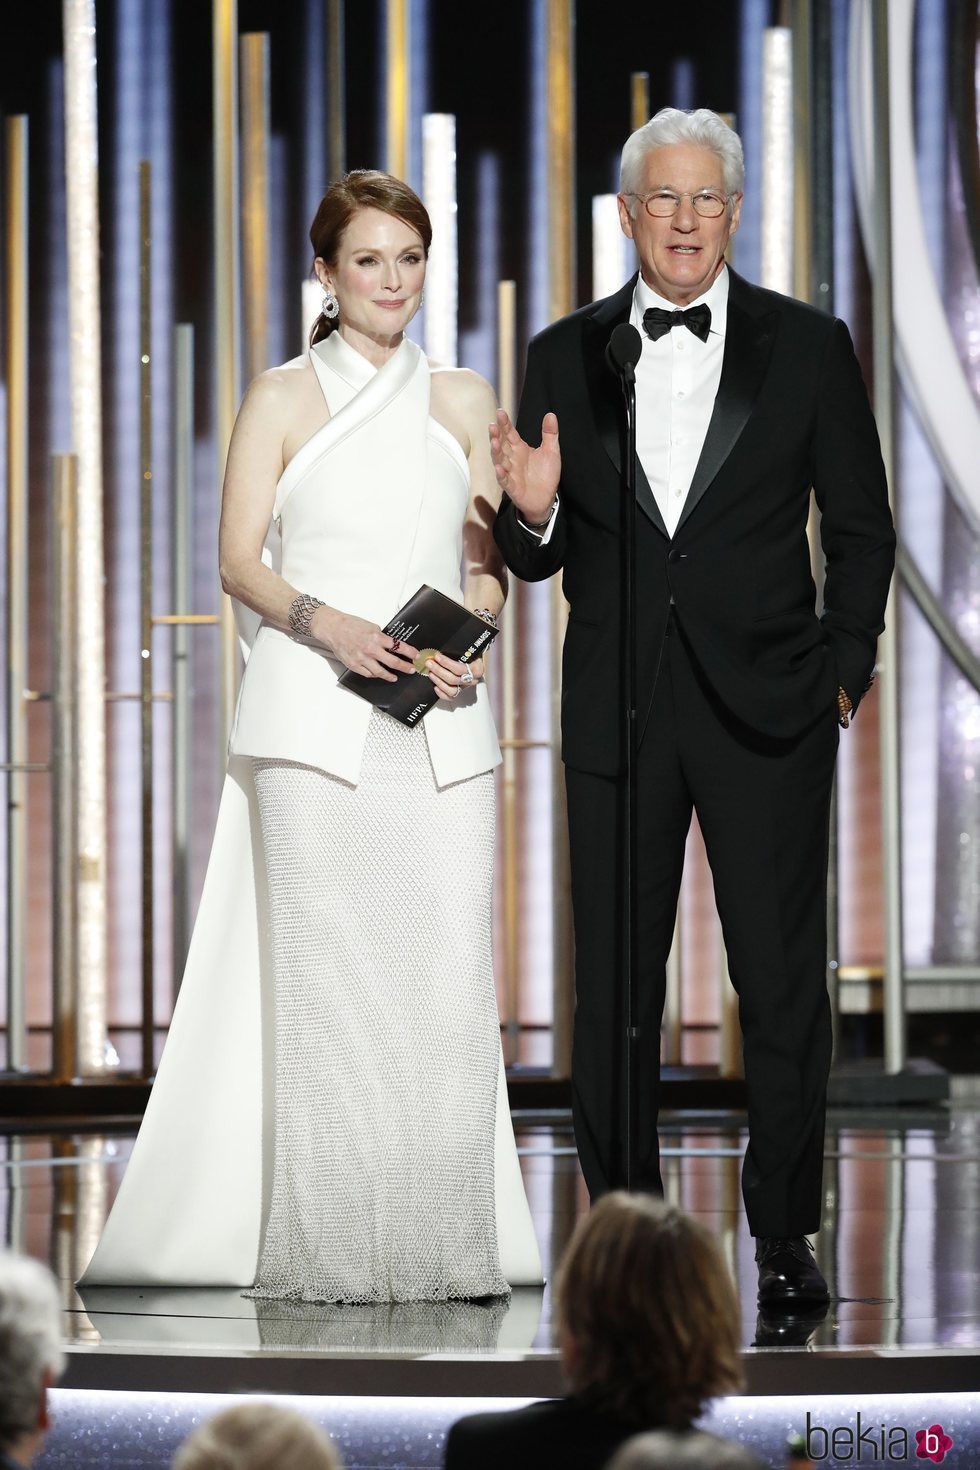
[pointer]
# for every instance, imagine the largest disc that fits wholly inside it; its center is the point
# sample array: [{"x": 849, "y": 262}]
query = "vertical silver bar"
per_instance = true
[
  {"x": 884, "y": 406},
  {"x": 507, "y": 394},
  {"x": 83, "y": 338},
  {"x": 64, "y": 753},
  {"x": 183, "y": 463},
  {"x": 15, "y": 214},
  {"x": 17, "y": 1195},
  {"x": 802, "y": 151},
  {"x": 146, "y": 618}
]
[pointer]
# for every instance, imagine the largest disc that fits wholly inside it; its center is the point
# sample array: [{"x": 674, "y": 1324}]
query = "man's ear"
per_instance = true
[{"x": 625, "y": 218}]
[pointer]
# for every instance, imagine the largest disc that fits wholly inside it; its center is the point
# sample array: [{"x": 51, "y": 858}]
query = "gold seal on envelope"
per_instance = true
[{"x": 424, "y": 655}]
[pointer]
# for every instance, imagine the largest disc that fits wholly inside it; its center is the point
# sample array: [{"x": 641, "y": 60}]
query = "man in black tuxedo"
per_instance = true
[{"x": 745, "y": 400}]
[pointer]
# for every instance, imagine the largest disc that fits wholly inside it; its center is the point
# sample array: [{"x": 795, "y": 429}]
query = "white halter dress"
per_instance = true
[{"x": 329, "y": 1121}]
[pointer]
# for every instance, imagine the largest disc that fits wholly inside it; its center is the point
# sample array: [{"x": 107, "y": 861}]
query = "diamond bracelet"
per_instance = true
[{"x": 301, "y": 611}]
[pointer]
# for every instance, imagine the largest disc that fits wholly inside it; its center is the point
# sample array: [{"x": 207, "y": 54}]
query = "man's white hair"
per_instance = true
[
  {"x": 30, "y": 1342},
  {"x": 702, "y": 127}
]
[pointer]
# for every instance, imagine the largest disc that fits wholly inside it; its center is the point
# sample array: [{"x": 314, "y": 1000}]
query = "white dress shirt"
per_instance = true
[{"x": 677, "y": 381}]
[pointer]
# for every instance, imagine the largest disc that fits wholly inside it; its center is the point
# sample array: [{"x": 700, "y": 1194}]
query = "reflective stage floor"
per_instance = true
[{"x": 900, "y": 1248}]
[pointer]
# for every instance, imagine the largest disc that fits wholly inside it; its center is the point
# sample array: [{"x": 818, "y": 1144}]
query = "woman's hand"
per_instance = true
[
  {"x": 362, "y": 646},
  {"x": 450, "y": 677}
]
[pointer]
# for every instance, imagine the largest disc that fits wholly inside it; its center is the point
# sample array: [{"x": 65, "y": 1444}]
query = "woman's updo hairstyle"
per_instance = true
[{"x": 362, "y": 188}]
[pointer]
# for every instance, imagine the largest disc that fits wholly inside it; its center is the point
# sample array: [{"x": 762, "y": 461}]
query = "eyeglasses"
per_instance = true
[{"x": 662, "y": 203}]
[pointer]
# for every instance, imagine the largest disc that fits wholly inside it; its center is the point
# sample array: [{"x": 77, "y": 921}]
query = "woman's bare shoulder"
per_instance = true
[
  {"x": 280, "y": 387},
  {"x": 463, "y": 388}
]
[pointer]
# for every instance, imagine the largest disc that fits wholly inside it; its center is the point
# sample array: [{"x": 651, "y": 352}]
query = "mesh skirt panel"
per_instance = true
[{"x": 386, "y": 1030}]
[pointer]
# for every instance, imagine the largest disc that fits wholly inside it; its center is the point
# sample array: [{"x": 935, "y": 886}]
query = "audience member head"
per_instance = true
[
  {"x": 257, "y": 1437},
  {"x": 647, "y": 1314},
  {"x": 31, "y": 1358},
  {"x": 669, "y": 1449}
]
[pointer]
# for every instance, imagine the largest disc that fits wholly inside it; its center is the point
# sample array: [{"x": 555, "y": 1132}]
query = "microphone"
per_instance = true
[{"x": 623, "y": 350}]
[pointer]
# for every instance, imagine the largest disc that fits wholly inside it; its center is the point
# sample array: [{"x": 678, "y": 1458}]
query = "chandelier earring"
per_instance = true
[{"x": 330, "y": 307}]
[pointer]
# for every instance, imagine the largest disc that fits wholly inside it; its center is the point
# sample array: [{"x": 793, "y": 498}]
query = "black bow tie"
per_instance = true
[{"x": 657, "y": 322}]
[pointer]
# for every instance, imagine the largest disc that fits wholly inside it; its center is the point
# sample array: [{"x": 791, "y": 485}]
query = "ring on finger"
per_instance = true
[{"x": 467, "y": 677}]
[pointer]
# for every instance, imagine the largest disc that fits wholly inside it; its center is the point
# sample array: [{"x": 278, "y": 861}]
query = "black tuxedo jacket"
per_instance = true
[
  {"x": 564, "y": 1433},
  {"x": 791, "y": 412},
  {"x": 559, "y": 1432}
]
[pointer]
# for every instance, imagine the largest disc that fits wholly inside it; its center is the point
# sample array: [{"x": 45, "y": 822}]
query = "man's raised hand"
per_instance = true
[{"x": 529, "y": 476}]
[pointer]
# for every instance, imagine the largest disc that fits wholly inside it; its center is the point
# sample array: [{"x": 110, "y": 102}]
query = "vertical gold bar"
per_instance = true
[
  {"x": 224, "y": 18},
  {"x": 64, "y": 805},
  {"x": 337, "y": 92},
  {"x": 146, "y": 616},
  {"x": 802, "y": 152},
  {"x": 254, "y": 63},
  {"x": 85, "y": 337},
  {"x": 507, "y": 393},
  {"x": 183, "y": 460},
  {"x": 398, "y": 82},
  {"x": 507, "y": 346},
  {"x": 561, "y": 156},
  {"x": 639, "y": 99},
  {"x": 561, "y": 299},
  {"x": 15, "y": 213}
]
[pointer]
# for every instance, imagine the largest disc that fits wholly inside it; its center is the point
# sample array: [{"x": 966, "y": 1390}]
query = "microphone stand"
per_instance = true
[{"x": 627, "y": 377}]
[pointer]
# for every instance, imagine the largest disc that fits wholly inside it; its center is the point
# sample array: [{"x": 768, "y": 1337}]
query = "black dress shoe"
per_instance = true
[
  {"x": 789, "y": 1326},
  {"x": 788, "y": 1274}
]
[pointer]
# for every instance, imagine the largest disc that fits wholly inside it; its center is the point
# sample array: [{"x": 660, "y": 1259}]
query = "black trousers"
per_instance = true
[{"x": 764, "y": 808}]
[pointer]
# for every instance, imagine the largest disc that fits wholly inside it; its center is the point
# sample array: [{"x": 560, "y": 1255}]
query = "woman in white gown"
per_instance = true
[{"x": 329, "y": 1120}]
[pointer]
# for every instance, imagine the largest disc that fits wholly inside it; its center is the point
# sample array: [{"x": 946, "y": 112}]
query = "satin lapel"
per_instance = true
[
  {"x": 748, "y": 345},
  {"x": 605, "y": 396}
]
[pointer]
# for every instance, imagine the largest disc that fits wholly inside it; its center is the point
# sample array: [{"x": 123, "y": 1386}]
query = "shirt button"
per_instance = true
[
  {"x": 680, "y": 392},
  {"x": 676, "y": 494}
]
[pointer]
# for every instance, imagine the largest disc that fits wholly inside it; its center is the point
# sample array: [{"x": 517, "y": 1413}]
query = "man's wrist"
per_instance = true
[{"x": 538, "y": 525}]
